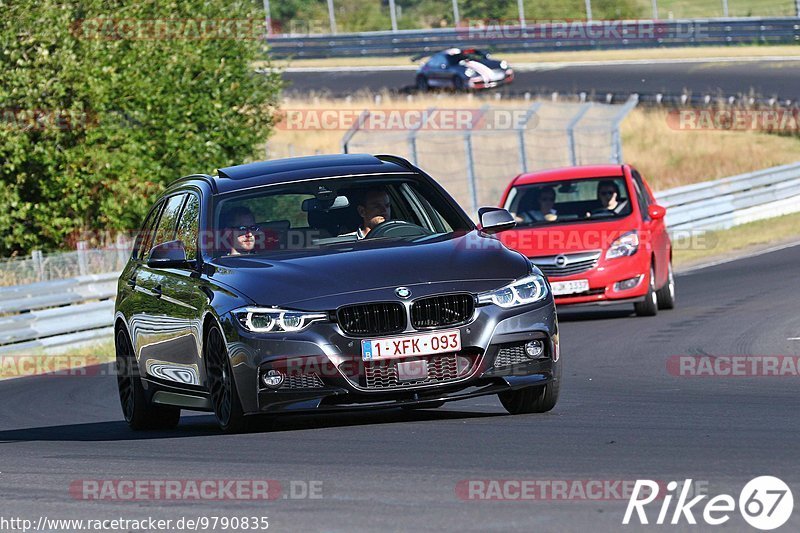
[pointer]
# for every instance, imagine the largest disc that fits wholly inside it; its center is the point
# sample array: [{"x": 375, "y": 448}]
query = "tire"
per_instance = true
[
  {"x": 539, "y": 399},
  {"x": 649, "y": 306},
  {"x": 427, "y": 405},
  {"x": 422, "y": 84},
  {"x": 138, "y": 411},
  {"x": 458, "y": 84},
  {"x": 222, "y": 385},
  {"x": 666, "y": 294}
]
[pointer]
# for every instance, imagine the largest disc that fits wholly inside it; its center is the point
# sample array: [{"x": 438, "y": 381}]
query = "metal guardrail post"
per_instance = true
[
  {"x": 523, "y": 155},
  {"x": 725, "y": 12},
  {"x": 573, "y": 155},
  {"x": 655, "y": 9},
  {"x": 589, "y": 10},
  {"x": 353, "y": 129}
]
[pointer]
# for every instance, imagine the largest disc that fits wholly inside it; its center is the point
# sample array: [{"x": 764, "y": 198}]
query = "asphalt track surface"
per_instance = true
[
  {"x": 767, "y": 79},
  {"x": 621, "y": 416}
]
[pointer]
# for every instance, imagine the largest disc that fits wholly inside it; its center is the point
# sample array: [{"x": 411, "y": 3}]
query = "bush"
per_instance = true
[{"x": 98, "y": 116}]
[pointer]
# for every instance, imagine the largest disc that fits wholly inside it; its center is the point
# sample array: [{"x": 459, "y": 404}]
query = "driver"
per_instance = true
[
  {"x": 374, "y": 207},
  {"x": 608, "y": 194}
]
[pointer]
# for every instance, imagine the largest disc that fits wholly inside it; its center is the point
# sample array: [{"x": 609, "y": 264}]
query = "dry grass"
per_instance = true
[
  {"x": 71, "y": 361},
  {"x": 669, "y": 157},
  {"x": 568, "y": 57},
  {"x": 666, "y": 157},
  {"x": 739, "y": 241}
]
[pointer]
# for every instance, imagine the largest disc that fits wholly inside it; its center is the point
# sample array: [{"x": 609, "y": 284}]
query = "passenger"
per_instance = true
[
  {"x": 544, "y": 199},
  {"x": 241, "y": 230},
  {"x": 374, "y": 207}
]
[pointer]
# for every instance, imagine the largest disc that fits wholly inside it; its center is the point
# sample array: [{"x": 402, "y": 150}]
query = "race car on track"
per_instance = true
[
  {"x": 324, "y": 283},
  {"x": 463, "y": 69},
  {"x": 597, "y": 234}
]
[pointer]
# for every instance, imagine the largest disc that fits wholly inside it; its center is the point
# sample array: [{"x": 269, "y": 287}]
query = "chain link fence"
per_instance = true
[
  {"x": 83, "y": 261},
  {"x": 476, "y": 163}
]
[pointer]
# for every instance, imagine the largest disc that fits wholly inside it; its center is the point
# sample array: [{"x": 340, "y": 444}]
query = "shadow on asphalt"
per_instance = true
[
  {"x": 204, "y": 425},
  {"x": 594, "y": 314}
]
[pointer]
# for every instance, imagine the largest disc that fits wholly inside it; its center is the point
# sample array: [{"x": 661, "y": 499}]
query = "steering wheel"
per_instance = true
[{"x": 397, "y": 228}]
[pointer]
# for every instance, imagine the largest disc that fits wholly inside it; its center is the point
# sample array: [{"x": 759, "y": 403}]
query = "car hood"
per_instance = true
[
  {"x": 554, "y": 239},
  {"x": 371, "y": 271}
]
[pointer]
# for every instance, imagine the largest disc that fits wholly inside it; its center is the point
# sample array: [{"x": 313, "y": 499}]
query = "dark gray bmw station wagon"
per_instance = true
[{"x": 326, "y": 283}]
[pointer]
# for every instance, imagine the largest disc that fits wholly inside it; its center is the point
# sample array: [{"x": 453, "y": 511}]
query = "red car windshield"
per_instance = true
[{"x": 569, "y": 201}]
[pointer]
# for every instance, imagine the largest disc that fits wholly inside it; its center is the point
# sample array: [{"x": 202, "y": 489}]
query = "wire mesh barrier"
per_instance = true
[
  {"x": 61, "y": 265},
  {"x": 475, "y": 159}
]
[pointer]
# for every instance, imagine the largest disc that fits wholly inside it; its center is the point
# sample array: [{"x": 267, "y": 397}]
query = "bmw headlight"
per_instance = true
[
  {"x": 527, "y": 290},
  {"x": 626, "y": 245},
  {"x": 469, "y": 73},
  {"x": 503, "y": 65},
  {"x": 268, "y": 320}
]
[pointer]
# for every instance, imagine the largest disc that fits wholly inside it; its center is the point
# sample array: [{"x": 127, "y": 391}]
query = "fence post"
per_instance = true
[
  {"x": 523, "y": 155},
  {"x": 83, "y": 265},
  {"x": 725, "y": 8},
  {"x": 521, "y": 9},
  {"x": 573, "y": 154},
  {"x": 393, "y": 15},
  {"x": 332, "y": 17},
  {"x": 588, "y": 9},
  {"x": 616, "y": 142},
  {"x": 655, "y": 9},
  {"x": 38, "y": 264},
  {"x": 122, "y": 249},
  {"x": 797, "y": 7},
  {"x": 473, "y": 192},
  {"x": 457, "y": 18},
  {"x": 352, "y": 131}
]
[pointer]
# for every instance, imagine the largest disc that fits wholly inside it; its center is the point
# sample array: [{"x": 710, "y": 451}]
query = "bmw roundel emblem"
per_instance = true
[
  {"x": 561, "y": 261},
  {"x": 402, "y": 292}
]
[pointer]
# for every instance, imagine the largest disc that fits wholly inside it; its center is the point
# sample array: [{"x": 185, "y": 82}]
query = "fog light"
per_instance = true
[
  {"x": 626, "y": 284},
  {"x": 534, "y": 348},
  {"x": 273, "y": 379}
]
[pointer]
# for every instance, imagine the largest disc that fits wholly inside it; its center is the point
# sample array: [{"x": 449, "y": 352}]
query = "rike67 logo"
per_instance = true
[{"x": 765, "y": 503}]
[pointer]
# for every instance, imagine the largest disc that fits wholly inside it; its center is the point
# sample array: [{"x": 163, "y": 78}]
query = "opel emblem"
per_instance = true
[
  {"x": 402, "y": 292},
  {"x": 561, "y": 261}
]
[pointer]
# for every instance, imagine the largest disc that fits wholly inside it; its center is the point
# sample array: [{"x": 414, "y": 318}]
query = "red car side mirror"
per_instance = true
[{"x": 656, "y": 212}]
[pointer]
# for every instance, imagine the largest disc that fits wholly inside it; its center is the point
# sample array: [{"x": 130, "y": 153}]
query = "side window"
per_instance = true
[
  {"x": 188, "y": 226},
  {"x": 168, "y": 221},
  {"x": 145, "y": 238},
  {"x": 640, "y": 197}
]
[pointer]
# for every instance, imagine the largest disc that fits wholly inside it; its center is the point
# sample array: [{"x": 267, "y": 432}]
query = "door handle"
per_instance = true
[{"x": 157, "y": 291}]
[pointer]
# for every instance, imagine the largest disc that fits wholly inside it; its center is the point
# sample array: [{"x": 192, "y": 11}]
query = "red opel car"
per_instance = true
[{"x": 597, "y": 233}]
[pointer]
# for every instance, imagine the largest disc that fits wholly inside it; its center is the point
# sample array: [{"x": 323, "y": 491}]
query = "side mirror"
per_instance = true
[
  {"x": 656, "y": 212},
  {"x": 495, "y": 219},
  {"x": 170, "y": 254}
]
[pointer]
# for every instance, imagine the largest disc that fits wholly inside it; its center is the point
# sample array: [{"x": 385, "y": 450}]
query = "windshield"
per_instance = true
[
  {"x": 570, "y": 201},
  {"x": 316, "y": 216}
]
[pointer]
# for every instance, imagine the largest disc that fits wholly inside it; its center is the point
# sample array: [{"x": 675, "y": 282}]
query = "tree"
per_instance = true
[{"x": 105, "y": 102}]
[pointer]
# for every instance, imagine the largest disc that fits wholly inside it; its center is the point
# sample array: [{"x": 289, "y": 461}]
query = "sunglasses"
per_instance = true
[
  {"x": 245, "y": 229},
  {"x": 607, "y": 193}
]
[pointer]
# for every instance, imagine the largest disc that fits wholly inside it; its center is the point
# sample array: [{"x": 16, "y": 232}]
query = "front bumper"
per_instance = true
[
  {"x": 603, "y": 278},
  {"x": 480, "y": 83},
  {"x": 323, "y": 368}
]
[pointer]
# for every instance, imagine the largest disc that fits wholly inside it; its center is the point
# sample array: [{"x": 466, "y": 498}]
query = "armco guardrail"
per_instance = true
[
  {"x": 554, "y": 36},
  {"x": 728, "y": 202},
  {"x": 56, "y": 313},
  {"x": 64, "y": 312}
]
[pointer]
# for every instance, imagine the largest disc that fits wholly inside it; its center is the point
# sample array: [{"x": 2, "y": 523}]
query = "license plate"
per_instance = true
[
  {"x": 561, "y": 288},
  {"x": 411, "y": 345},
  {"x": 412, "y": 370}
]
